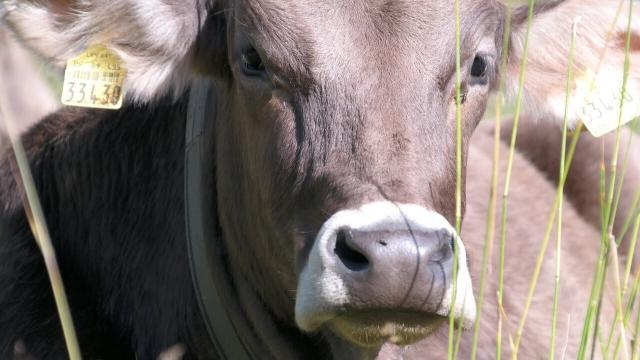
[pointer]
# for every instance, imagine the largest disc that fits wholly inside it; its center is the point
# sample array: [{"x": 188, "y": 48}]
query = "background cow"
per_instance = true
[{"x": 334, "y": 157}]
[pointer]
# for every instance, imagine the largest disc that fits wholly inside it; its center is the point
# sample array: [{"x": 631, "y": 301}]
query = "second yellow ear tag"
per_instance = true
[{"x": 94, "y": 79}]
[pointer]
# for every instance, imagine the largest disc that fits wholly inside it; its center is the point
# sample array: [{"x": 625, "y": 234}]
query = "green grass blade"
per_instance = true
[
  {"x": 636, "y": 333},
  {"x": 493, "y": 192},
  {"x": 619, "y": 308},
  {"x": 547, "y": 236},
  {"x": 632, "y": 213},
  {"x": 40, "y": 231},
  {"x": 560, "y": 190},
  {"x": 514, "y": 135},
  {"x": 505, "y": 194},
  {"x": 458, "y": 215},
  {"x": 623, "y": 172},
  {"x": 609, "y": 211},
  {"x": 630, "y": 256}
]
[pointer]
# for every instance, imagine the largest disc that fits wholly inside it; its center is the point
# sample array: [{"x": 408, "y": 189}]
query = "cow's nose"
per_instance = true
[
  {"x": 403, "y": 269},
  {"x": 380, "y": 264}
]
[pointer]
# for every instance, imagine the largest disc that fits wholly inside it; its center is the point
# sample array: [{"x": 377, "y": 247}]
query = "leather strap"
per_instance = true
[{"x": 207, "y": 273}]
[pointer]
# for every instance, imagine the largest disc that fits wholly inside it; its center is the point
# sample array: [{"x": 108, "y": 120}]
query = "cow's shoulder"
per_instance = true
[
  {"x": 111, "y": 187},
  {"x": 90, "y": 148}
]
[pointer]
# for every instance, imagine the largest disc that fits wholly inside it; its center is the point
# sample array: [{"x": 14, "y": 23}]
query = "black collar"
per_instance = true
[
  {"x": 208, "y": 273},
  {"x": 228, "y": 323}
]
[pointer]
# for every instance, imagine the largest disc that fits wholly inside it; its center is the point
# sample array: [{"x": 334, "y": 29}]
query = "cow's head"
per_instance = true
[{"x": 336, "y": 132}]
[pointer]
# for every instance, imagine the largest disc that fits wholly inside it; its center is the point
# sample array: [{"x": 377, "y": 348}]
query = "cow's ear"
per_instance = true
[
  {"x": 154, "y": 38},
  {"x": 601, "y": 37}
]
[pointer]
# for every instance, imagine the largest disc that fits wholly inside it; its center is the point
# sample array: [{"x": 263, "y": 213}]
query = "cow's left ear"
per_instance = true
[
  {"x": 601, "y": 37},
  {"x": 154, "y": 38}
]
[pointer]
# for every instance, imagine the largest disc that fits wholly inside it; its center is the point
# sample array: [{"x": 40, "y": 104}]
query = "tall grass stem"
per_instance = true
[
  {"x": 37, "y": 222},
  {"x": 560, "y": 191},
  {"x": 458, "y": 194},
  {"x": 493, "y": 192}
]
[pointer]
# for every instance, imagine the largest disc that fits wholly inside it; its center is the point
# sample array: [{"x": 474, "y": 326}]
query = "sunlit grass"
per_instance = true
[
  {"x": 611, "y": 200},
  {"x": 560, "y": 191},
  {"x": 493, "y": 191},
  {"x": 608, "y": 243},
  {"x": 507, "y": 183},
  {"x": 452, "y": 348}
]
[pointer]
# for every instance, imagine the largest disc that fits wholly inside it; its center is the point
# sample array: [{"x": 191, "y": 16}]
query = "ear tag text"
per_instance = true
[
  {"x": 94, "y": 79},
  {"x": 599, "y": 106}
]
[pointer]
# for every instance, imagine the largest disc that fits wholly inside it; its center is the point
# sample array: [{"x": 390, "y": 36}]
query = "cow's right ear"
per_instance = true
[{"x": 154, "y": 38}]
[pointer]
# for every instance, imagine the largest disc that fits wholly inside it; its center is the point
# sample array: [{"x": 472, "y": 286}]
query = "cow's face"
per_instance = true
[
  {"x": 335, "y": 131},
  {"x": 336, "y": 159}
]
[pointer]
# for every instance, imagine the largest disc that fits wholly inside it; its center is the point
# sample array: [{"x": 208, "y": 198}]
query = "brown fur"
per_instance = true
[
  {"x": 357, "y": 105},
  {"x": 634, "y": 41},
  {"x": 540, "y": 143}
]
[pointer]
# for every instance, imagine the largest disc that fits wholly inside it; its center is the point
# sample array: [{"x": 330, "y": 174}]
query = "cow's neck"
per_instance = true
[
  {"x": 261, "y": 331},
  {"x": 258, "y": 330},
  {"x": 269, "y": 336}
]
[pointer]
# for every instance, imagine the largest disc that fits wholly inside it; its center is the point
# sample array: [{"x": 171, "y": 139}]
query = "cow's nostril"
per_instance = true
[{"x": 350, "y": 257}]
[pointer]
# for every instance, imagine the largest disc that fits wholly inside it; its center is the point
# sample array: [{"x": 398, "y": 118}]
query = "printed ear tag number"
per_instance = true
[
  {"x": 600, "y": 105},
  {"x": 94, "y": 79}
]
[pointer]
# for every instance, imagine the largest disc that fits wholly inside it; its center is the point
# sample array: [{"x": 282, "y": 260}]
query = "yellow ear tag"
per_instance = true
[{"x": 94, "y": 79}]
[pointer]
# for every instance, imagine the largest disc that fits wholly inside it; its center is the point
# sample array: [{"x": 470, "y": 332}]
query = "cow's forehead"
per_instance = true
[{"x": 367, "y": 34}]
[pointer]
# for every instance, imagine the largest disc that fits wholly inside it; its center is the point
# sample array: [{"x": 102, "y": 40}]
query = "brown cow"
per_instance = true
[{"x": 334, "y": 155}]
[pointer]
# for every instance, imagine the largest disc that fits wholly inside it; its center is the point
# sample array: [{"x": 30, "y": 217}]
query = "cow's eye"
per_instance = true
[
  {"x": 479, "y": 68},
  {"x": 252, "y": 64}
]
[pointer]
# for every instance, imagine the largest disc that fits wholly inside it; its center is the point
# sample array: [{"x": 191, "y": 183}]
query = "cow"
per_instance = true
[{"x": 333, "y": 158}]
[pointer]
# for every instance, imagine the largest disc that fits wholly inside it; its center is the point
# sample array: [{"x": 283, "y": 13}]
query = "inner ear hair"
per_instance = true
[
  {"x": 61, "y": 6},
  {"x": 154, "y": 38}
]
